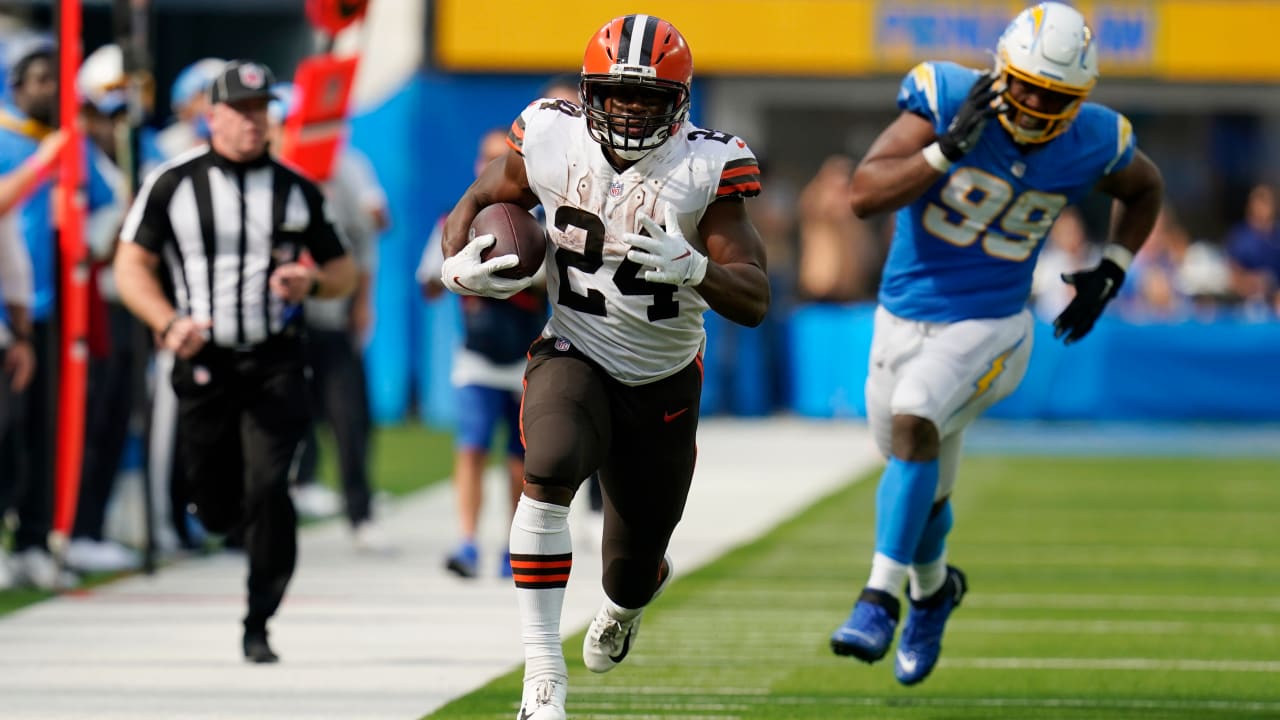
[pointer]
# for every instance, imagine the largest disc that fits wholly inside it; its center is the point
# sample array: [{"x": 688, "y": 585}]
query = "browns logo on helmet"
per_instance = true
[{"x": 636, "y": 75}]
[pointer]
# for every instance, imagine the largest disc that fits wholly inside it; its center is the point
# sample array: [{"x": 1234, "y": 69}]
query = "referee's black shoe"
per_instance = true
[{"x": 256, "y": 649}]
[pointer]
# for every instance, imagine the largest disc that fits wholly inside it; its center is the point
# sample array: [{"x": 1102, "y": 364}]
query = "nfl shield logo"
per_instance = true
[
  {"x": 252, "y": 76},
  {"x": 562, "y": 344},
  {"x": 615, "y": 189}
]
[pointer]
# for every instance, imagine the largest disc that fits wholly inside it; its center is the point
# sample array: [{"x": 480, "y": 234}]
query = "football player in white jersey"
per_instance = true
[
  {"x": 647, "y": 229},
  {"x": 975, "y": 200}
]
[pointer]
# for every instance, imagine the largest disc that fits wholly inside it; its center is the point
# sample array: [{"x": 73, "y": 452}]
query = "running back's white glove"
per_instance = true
[
  {"x": 674, "y": 260},
  {"x": 465, "y": 274}
]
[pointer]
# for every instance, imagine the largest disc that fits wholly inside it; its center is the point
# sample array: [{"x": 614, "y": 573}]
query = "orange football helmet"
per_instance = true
[{"x": 630, "y": 54}]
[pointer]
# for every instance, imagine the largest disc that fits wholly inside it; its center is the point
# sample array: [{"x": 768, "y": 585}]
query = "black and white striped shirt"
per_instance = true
[{"x": 222, "y": 228}]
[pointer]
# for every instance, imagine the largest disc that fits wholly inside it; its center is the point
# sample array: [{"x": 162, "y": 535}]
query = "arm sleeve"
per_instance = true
[
  {"x": 322, "y": 237},
  {"x": 147, "y": 222}
]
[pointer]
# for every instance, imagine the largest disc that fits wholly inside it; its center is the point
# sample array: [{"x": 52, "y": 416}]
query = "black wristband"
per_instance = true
[
  {"x": 168, "y": 326},
  {"x": 315, "y": 286}
]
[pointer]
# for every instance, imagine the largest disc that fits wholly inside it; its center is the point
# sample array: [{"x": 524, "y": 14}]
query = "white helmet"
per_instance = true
[
  {"x": 101, "y": 79},
  {"x": 1051, "y": 46}
]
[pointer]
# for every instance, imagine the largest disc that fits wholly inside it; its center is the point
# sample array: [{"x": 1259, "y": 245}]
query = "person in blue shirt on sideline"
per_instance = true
[
  {"x": 952, "y": 336},
  {"x": 24, "y": 123},
  {"x": 189, "y": 99}
]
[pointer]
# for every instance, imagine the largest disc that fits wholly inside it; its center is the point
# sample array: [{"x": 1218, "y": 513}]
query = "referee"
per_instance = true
[{"x": 230, "y": 224}]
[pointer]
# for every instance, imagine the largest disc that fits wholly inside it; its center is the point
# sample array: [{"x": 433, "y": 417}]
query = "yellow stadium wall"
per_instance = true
[{"x": 1178, "y": 40}]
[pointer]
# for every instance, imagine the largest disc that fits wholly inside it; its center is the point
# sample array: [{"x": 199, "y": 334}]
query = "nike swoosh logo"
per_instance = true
[
  {"x": 524, "y": 714},
  {"x": 1106, "y": 291},
  {"x": 668, "y": 417},
  {"x": 908, "y": 664},
  {"x": 626, "y": 641},
  {"x": 458, "y": 280},
  {"x": 686, "y": 254}
]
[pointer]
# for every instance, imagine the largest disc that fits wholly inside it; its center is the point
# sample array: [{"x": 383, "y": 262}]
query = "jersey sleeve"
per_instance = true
[
  {"x": 541, "y": 109},
  {"x": 740, "y": 175},
  {"x": 322, "y": 236},
  {"x": 147, "y": 222},
  {"x": 935, "y": 91},
  {"x": 920, "y": 93},
  {"x": 1124, "y": 146}
]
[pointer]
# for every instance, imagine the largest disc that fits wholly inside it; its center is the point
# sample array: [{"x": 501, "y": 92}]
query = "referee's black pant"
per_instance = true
[{"x": 244, "y": 415}]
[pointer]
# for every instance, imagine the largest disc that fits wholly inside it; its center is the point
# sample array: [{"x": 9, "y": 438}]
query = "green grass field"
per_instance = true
[{"x": 1100, "y": 589}]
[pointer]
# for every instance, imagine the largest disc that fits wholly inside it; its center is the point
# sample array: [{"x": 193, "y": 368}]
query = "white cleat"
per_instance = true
[
  {"x": 609, "y": 639},
  {"x": 369, "y": 538},
  {"x": 544, "y": 698}
]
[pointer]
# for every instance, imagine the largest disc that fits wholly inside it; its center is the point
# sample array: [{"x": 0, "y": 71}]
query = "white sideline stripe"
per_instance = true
[
  {"x": 1122, "y": 602},
  {"x": 689, "y": 659},
  {"x": 1082, "y": 703},
  {"x": 753, "y": 699},
  {"x": 1049, "y": 601},
  {"x": 1108, "y": 627},
  {"x": 801, "y": 622},
  {"x": 697, "y": 707},
  {"x": 1019, "y": 663},
  {"x": 670, "y": 690}
]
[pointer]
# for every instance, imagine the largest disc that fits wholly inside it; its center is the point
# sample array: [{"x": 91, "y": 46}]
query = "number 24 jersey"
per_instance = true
[
  {"x": 967, "y": 247},
  {"x": 636, "y": 330}
]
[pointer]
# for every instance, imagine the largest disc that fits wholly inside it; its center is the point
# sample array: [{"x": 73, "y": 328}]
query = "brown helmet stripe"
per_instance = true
[{"x": 635, "y": 46}]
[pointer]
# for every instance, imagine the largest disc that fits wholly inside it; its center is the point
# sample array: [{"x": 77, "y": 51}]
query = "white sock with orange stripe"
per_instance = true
[{"x": 541, "y": 557}]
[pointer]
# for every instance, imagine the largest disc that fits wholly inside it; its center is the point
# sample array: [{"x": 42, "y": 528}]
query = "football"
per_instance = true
[{"x": 515, "y": 232}]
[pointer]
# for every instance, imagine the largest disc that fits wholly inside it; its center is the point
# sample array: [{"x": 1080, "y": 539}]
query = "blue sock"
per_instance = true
[
  {"x": 902, "y": 507},
  {"x": 934, "y": 539}
]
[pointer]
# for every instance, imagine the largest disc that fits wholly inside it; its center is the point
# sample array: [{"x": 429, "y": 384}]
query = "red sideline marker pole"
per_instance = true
[{"x": 74, "y": 291}]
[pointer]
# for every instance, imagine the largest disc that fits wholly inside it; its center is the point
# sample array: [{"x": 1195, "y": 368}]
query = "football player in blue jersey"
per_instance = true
[{"x": 978, "y": 166}]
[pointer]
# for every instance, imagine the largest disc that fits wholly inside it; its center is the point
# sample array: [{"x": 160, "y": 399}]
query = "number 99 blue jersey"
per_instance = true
[{"x": 967, "y": 247}]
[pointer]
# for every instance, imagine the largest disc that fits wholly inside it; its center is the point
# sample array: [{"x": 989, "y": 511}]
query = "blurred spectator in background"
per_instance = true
[
  {"x": 839, "y": 254},
  {"x": 1067, "y": 250},
  {"x": 1174, "y": 277},
  {"x": 336, "y": 333},
  {"x": 17, "y": 357},
  {"x": 189, "y": 98},
  {"x": 774, "y": 216},
  {"x": 488, "y": 372},
  {"x": 109, "y": 405},
  {"x": 1253, "y": 247},
  {"x": 24, "y": 124}
]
